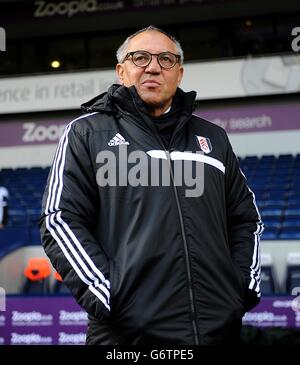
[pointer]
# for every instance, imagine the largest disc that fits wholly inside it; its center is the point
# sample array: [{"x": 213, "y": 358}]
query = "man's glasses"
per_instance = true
[{"x": 166, "y": 60}]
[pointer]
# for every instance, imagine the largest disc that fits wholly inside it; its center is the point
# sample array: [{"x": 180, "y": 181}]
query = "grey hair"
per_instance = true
[{"x": 121, "y": 52}]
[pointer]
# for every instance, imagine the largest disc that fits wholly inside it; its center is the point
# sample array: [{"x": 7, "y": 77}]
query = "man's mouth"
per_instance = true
[{"x": 151, "y": 83}]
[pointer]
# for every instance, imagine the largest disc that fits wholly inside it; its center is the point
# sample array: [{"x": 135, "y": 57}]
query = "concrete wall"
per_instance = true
[{"x": 267, "y": 143}]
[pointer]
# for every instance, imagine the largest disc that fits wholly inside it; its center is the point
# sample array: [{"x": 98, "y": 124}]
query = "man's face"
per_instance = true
[{"x": 155, "y": 85}]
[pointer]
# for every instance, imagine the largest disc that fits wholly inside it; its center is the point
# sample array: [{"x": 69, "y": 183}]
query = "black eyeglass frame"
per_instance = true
[{"x": 150, "y": 59}]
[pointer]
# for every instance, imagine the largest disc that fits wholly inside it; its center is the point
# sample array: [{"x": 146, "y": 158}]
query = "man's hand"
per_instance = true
[{"x": 2, "y": 226}]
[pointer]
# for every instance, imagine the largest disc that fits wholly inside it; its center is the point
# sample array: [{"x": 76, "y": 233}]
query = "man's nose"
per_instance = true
[{"x": 154, "y": 66}]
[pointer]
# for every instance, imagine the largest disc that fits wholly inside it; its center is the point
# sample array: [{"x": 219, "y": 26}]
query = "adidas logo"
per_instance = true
[{"x": 117, "y": 140}]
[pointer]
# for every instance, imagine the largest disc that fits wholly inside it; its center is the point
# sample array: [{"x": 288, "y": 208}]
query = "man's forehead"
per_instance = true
[{"x": 151, "y": 39}]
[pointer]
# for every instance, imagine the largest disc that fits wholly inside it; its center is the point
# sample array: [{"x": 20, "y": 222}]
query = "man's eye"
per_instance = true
[
  {"x": 140, "y": 58},
  {"x": 166, "y": 59}
]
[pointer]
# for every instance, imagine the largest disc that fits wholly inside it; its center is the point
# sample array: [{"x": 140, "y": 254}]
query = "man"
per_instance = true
[
  {"x": 4, "y": 196},
  {"x": 150, "y": 264}
]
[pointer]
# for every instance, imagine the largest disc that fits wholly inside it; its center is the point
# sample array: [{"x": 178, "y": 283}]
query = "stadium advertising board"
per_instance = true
[
  {"x": 60, "y": 321},
  {"x": 246, "y": 119}
]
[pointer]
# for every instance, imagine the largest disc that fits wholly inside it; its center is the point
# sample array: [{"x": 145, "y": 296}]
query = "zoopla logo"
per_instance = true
[
  {"x": 2, "y": 39},
  {"x": 296, "y": 301}
]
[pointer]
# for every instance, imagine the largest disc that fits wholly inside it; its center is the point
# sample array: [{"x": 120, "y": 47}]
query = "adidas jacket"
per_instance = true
[{"x": 148, "y": 262}]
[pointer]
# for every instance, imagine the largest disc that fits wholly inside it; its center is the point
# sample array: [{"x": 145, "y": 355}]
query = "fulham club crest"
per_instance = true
[{"x": 204, "y": 144}]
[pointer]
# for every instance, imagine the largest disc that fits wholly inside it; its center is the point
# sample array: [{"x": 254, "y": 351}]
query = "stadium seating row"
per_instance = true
[
  {"x": 275, "y": 181},
  {"x": 12, "y": 238}
]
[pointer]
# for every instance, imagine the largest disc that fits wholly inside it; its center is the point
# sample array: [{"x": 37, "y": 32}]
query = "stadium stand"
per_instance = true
[
  {"x": 274, "y": 180},
  {"x": 12, "y": 238},
  {"x": 276, "y": 184},
  {"x": 26, "y": 189}
]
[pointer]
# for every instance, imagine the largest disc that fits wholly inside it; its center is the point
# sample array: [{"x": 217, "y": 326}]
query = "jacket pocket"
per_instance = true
[
  {"x": 241, "y": 280},
  {"x": 100, "y": 333}
]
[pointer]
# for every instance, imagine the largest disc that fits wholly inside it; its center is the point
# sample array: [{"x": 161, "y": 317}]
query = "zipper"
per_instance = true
[
  {"x": 186, "y": 252},
  {"x": 183, "y": 235}
]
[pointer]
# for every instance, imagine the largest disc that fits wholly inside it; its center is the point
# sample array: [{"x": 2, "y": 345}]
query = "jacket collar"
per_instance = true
[{"x": 121, "y": 98}]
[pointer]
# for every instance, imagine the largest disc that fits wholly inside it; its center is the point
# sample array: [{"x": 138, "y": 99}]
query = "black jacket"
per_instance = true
[{"x": 149, "y": 261}]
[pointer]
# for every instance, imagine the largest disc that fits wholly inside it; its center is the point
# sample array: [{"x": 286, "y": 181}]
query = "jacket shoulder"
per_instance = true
[
  {"x": 92, "y": 122},
  {"x": 202, "y": 125}
]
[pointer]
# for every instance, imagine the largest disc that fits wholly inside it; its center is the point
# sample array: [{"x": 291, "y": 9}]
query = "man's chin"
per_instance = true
[{"x": 153, "y": 101}]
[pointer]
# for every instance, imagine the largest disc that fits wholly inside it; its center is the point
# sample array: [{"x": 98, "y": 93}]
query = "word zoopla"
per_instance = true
[
  {"x": 187, "y": 169},
  {"x": 70, "y": 8}
]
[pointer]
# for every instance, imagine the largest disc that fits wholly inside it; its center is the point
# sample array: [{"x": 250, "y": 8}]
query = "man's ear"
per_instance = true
[
  {"x": 180, "y": 75},
  {"x": 120, "y": 73}
]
